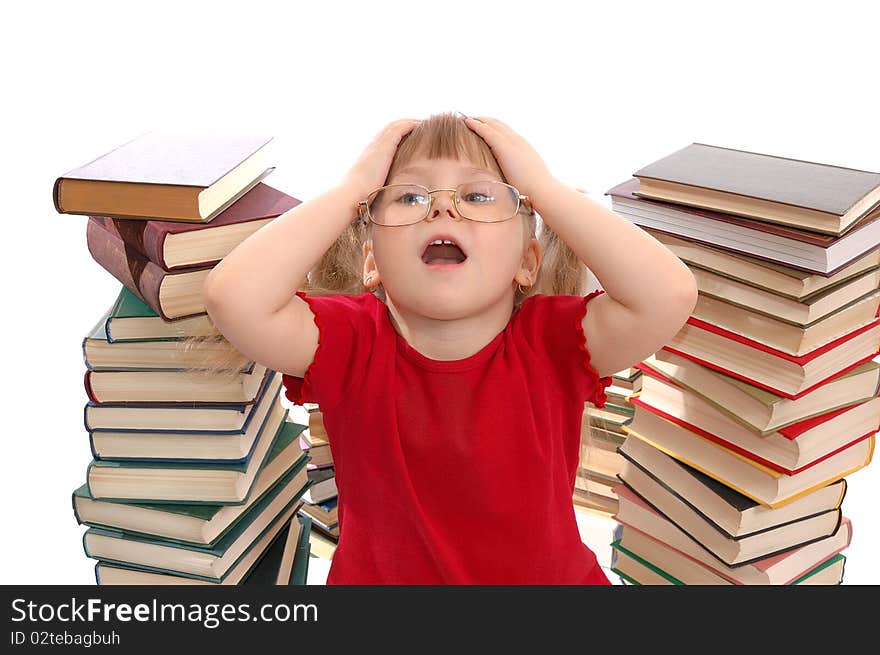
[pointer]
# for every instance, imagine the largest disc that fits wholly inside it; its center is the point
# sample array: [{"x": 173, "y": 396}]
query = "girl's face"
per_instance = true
[{"x": 497, "y": 255}]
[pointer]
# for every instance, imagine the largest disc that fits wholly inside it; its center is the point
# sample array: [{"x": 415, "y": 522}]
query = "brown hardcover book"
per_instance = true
[
  {"x": 821, "y": 254},
  {"x": 809, "y": 195},
  {"x": 173, "y": 244},
  {"x": 171, "y": 295},
  {"x": 180, "y": 177}
]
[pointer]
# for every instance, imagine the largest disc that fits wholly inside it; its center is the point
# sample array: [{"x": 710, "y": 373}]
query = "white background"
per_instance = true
[{"x": 598, "y": 89}]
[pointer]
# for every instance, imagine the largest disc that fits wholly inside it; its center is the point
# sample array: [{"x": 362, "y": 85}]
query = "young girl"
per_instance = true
[{"x": 450, "y": 365}]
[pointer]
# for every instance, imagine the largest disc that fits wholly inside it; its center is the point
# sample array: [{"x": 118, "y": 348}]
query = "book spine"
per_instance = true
[
  {"x": 843, "y": 489},
  {"x": 75, "y": 511},
  {"x": 143, "y": 236},
  {"x": 92, "y": 446},
  {"x": 154, "y": 244},
  {"x": 56, "y": 195},
  {"x": 86, "y": 418},
  {"x": 85, "y": 354},
  {"x": 87, "y": 382},
  {"x": 140, "y": 275}
]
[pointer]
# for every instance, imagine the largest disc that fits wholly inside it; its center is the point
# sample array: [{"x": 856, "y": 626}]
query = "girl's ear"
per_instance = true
[
  {"x": 531, "y": 263},
  {"x": 371, "y": 274}
]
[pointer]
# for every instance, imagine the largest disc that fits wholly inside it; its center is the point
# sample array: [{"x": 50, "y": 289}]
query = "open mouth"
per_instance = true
[{"x": 443, "y": 252}]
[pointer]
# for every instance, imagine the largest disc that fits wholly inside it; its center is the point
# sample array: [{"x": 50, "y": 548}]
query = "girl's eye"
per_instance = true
[
  {"x": 477, "y": 197},
  {"x": 412, "y": 198}
]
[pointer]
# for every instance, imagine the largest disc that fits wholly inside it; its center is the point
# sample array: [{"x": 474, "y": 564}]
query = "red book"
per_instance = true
[
  {"x": 171, "y": 295},
  {"x": 789, "y": 450},
  {"x": 173, "y": 245},
  {"x": 769, "y": 368}
]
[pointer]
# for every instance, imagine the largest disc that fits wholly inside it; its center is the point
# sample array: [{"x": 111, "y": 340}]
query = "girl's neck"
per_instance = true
[{"x": 447, "y": 340}]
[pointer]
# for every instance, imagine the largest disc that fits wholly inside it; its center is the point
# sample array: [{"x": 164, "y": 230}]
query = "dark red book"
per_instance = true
[
  {"x": 171, "y": 295},
  {"x": 174, "y": 245}
]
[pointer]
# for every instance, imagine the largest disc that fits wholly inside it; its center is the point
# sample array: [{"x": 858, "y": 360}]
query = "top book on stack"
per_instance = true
[
  {"x": 806, "y": 195},
  {"x": 167, "y": 176}
]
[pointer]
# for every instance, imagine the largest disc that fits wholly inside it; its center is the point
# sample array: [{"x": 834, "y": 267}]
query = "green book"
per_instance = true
[
  {"x": 300, "y": 573},
  {"x": 190, "y": 445},
  {"x": 210, "y": 563},
  {"x": 198, "y": 524},
  {"x": 188, "y": 481},
  {"x": 285, "y": 562},
  {"x": 166, "y": 354},
  {"x": 113, "y": 573},
  {"x": 131, "y": 319}
]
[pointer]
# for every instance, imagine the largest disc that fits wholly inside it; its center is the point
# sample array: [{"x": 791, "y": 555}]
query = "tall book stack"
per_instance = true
[
  {"x": 196, "y": 475},
  {"x": 320, "y": 501},
  {"x": 601, "y": 435},
  {"x": 751, "y": 418}
]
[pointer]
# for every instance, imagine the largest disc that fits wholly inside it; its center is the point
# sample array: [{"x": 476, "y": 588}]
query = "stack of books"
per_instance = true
[
  {"x": 601, "y": 434},
  {"x": 750, "y": 419},
  {"x": 196, "y": 475},
  {"x": 320, "y": 501}
]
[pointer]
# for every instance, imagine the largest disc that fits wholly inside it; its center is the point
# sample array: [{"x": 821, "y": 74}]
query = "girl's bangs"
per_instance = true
[{"x": 444, "y": 137}]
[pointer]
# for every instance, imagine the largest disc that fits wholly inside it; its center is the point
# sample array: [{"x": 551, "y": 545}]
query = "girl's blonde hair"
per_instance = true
[{"x": 340, "y": 269}]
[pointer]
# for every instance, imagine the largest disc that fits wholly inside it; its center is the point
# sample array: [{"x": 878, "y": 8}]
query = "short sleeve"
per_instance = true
[
  {"x": 347, "y": 327},
  {"x": 552, "y": 327}
]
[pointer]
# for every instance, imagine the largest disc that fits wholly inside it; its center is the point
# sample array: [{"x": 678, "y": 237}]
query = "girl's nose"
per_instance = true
[{"x": 443, "y": 205}]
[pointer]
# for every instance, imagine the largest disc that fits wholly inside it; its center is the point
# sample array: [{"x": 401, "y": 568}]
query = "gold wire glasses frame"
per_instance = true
[{"x": 364, "y": 205}]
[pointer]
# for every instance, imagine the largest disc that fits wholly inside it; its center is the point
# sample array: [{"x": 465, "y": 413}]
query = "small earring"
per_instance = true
[{"x": 523, "y": 291}]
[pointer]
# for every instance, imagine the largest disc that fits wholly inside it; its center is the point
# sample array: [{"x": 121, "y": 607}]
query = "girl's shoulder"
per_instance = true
[
  {"x": 552, "y": 317},
  {"x": 339, "y": 302},
  {"x": 346, "y": 317}
]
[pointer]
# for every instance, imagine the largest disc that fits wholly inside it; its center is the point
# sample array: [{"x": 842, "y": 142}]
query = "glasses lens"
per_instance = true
[
  {"x": 399, "y": 204},
  {"x": 487, "y": 201}
]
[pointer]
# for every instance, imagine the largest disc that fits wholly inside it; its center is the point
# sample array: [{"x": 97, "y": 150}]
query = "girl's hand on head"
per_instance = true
[
  {"x": 371, "y": 169},
  {"x": 520, "y": 163}
]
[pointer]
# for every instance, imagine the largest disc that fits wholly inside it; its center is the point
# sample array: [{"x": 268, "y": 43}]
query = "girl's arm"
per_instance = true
[
  {"x": 250, "y": 294},
  {"x": 649, "y": 291},
  {"x": 250, "y": 297}
]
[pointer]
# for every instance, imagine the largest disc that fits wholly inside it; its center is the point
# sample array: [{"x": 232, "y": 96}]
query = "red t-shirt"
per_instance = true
[{"x": 460, "y": 471}]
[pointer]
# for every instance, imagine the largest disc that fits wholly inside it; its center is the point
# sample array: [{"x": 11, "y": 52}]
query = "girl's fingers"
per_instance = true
[
  {"x": 481, "y": 127},
  {"x": 394, "y": 132},
  {"x": 399, "y": 126}
]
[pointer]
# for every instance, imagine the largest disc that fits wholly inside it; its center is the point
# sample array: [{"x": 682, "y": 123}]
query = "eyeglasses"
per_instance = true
[{"x": 397, "y": 205}]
